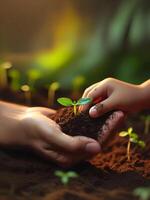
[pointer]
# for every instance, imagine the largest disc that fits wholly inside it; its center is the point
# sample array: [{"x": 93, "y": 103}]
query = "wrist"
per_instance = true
[{"x": 10, "y": 108}]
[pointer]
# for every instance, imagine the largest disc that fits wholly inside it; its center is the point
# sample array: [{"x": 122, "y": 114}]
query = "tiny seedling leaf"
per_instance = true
[
  {"x": 65, "y": 101},
  {"x": 143, "y": 193},
  {"x": 59, "y": 173},
  {"x": 84, "y": 101},
  {"x": 134, "y": 136},
  {"x": 141, "y": 144},
  {"x": 72, "y": 174},
  {"x": 123, "y": 134},
  {"x": 133, "y": 140},
  {"x": 130, "y": 130}
]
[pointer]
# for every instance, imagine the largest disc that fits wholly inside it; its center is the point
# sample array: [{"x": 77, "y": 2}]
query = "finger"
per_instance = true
[
  {"x": 99, "y": 91},
  {"x": 52, "y": 135},
  {"x": 88, "y": 90},
  {"x": 75, "y": 144},
  {"x": 103, "y": 107},
  {"x": 61, "y": 158},
  {"x": 110, "y": 125},
  {"x": 85, "y": 107}
]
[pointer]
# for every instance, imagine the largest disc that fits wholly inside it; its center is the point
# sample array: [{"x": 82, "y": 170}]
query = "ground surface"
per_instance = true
[{"x": 24, "y": 176}]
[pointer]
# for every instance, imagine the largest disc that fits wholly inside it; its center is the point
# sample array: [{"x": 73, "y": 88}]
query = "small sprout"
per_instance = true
[
  {"x": 15, "y": 79},
  {"x": 6, "y": 65},
  {"x": 4, "y": 68},
  {"x": 146, "y": 120},
  {"x": 133, "y": 138},
  {"x": 68, "y": 102},
  {"x": 27, "y": 93},
  {"x": 51, "y": 93},
  {"x": 33, "y": 76},
  {"x": 143, "y": 193},
  {"x": 66, "y": 176}
]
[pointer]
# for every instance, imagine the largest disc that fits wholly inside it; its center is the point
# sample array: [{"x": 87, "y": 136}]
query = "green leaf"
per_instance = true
[
  {"x": 72, "y": 174},
  {"x": 141, "y": 144},
  {"x": 123, "y": 134},
  {"x": 84, "y": 101},
  {"x": 143, "y": 193},
  {"x": 134, "y": 136},
  {"x": 130, "y": 130},
  {"x": 59, "y": 173},
  {"x": 65, "y": 101},
  {"x": 134, "y": 140}
]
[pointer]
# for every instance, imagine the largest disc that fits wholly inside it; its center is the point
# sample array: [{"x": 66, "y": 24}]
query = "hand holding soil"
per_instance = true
[{"x": 32, "y": 128}]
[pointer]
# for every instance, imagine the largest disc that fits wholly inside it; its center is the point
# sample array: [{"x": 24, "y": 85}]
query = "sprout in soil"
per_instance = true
[
  {"x": 133, "y": 138},
  {"x": 4, "y": 67},
  {"x": 53, "y": 87},
  {"x": 27, "y": 93},
  {"x": 15, "y": 79},
  {"x": 146, "y": 119},
  {"x": 68, "y": 102},
  {"x": 142, "y": 192},
  {"x": 66, "y": 176}
]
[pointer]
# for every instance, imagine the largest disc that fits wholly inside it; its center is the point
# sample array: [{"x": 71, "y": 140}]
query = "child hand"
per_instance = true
[{"x": 113, "y": 94}]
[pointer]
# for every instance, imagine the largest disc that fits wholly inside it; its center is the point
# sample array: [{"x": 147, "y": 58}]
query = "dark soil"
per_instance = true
[
  {"x": 25, "y": 176},
  {"x": 80, "y": 124}
]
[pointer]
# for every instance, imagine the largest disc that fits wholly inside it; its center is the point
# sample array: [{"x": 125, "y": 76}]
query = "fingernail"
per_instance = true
[
  {"x": 93, "y": 111},
  {"x": 93, "y": 148}
]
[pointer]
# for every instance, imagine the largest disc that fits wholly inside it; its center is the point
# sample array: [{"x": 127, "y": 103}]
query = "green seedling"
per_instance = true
[
  {"x": 53, "y": 87},
  {"x": 66, "y": 176},
  {"x": 4, "y": 67},
  {"x": 133, "y": 138},
  {"x": 15, "y": 79},
  {"x": 33, "y": 76},
  {"x": 143, "y": 193},
  {"x": 68, "y": 102},
  {"x": 146, "y": 120},
  {"x": 27, "y": 93}
]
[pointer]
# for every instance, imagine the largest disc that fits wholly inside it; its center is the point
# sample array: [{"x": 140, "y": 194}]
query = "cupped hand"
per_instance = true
[{"x": 32, "y": 128}]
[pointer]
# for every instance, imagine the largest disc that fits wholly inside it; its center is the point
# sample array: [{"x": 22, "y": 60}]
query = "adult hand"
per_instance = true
[{"x": 32, "y": 128}]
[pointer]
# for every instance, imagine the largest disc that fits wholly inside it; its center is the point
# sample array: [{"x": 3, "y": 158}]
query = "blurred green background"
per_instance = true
[{"x": 76, "y": 40}]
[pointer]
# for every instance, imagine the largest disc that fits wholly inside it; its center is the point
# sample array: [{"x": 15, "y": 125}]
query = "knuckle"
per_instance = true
[{"x": 109, "y": 80}]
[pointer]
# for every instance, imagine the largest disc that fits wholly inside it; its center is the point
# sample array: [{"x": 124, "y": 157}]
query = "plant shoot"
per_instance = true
[
  {"x": 146, "y": 120},
  {"x": 51, "y": 93},
  {"x": 133, "y": 138},
  {"x": 27, "y": 93},
  {"x": 4, "y": 67},
  {"x": 69, "y": 102},
  {"x": 66, "y": 176}
]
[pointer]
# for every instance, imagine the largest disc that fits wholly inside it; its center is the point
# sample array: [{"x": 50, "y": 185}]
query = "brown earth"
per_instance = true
[{"x": 80, "y": 124}]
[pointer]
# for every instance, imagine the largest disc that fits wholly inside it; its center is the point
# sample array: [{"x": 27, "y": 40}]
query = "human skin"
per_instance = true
[
  {"x": 113, "y": 94},
  {"x": 32, "y": 128}
]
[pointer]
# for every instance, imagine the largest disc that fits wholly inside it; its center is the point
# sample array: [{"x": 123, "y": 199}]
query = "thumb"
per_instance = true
[{"x": 103, "y": 107}]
